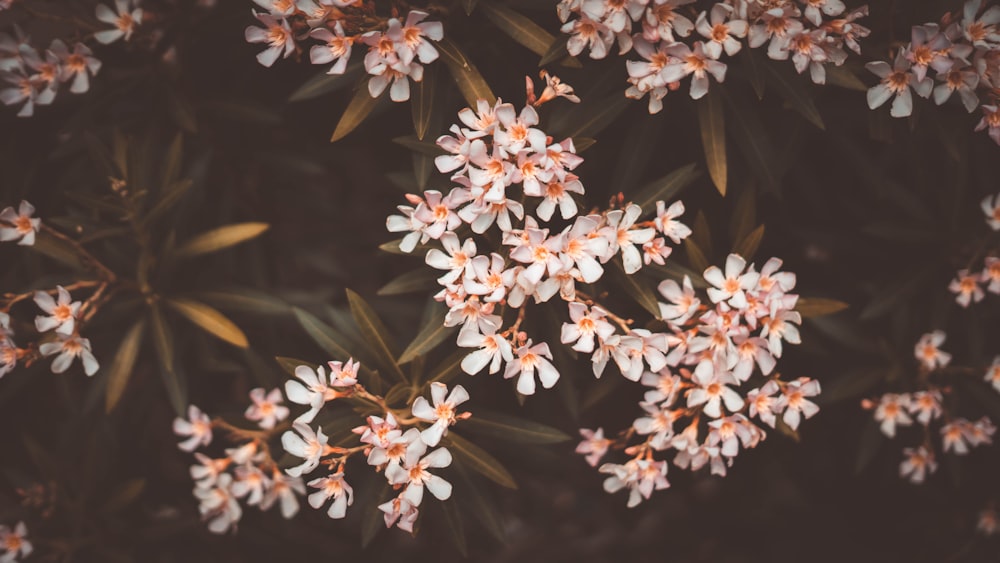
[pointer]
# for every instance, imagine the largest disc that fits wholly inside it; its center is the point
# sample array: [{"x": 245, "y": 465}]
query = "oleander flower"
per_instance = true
[
  {"x": 21, "y": 226},
  {"x": 266, "y": 409},
  {"x": 529, "y": 359},
  {"x": 594, "y": 445},
  {"x": 14, "y": 543},
  {"x": 966, "y": 288},
  {"x": 917, "y": 464},
  {"x": 442, "y": 414},
  {"x": 304, "y": 443},
  {"x": 61, "y": 313},
  {"x": 125, "y": 21},
  {"x": 197, "y": 428},
  {"x": 897, "y": 80},
  {"x": 928, "y": 352},
  {"x": 68, "y": 349},
  {"x": 332, "y": 486},
  {"x": 276, "y": 33}
]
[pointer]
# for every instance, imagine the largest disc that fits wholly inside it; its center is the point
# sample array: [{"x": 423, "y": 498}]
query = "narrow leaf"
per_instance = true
[
  {"x": 323, "y": 335},
  {"x": 520, "y": 28},
  {"x": 324, "y": 83},
  {"x": 640, "y": 292},
  {"x": 666, "y": 188},
  {"x": 791, "y": 89},
  {"x": 466, "y": 75},
  {"x": 695, "y": 255},
  {"x": 818, "y": 306},
  {"x": 163, "y": 341},
  {"x": 433, "y": 333},
  {"x": 512, "y": 429},
  {"x": 422, "y": 104},
  {"x": 749, "y": 245},
  {"x": 210, "y": 320},
  {"x": 477, "y": 459},
  {"x": 124, "y": 362},
  {"x": 422, "y": 279},
  {"x": 375, "y": 332},
  {"x": 358, "y": 109},
  {"x": 244, "y": 300},
  {"x": 220, "y": 239},
  {"x": 448, "y": 368},
  {"x": 711, "y": 119}
]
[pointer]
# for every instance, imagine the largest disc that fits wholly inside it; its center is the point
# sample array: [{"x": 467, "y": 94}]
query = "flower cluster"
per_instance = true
[
  {"x": 695, "y": 370},
  {"x": 33, "y": 77},
  {"x": 960, "y": 54},
  {"x": 398, "y": 443},
  {"x": 59, "y": 326},
  {"x": 676, "y": 40},
  {"x": 396, "y": 49},
  {"x": 928, "y": 409},
  {"x": 247, "y": 472},
  {"x": 968, "y": 284},
  {"x": 14, "y": 544}
]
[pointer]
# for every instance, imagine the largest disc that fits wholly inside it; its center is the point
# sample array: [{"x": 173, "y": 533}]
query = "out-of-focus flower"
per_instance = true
[
  {"x": 990, "y": 206},
  {"x": 219, "y": 506},
  {"x": 21, "y": 226},
  {"x": 125, "y": 21},
  {"x": 928, "y": 352},
  {"x": 987, "y": 522},
  {"x": 197, "y": 427},
  {"x": 594, "y": 445},
  {"x": 795, "y": 403},
  {"x": 891, "y": 412},
  {"x": 966, "y": 288},
  {"x": 266, "y": 409},
  {"x": 993, "y": 374},
  {"x": 284, "y": 490},
  {"x": 15, "y": 543},
  {"x": 68, "y": 349},
  {"x": 917, "y": 464},
  {"x": 61, "y": 313},
  {"x": 77, "y": 65}
]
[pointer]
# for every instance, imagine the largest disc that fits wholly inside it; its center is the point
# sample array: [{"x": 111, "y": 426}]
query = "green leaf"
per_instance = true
[
  {"x": 417, "y": 280},
  {"x": 324, "y": 83},
  {"x": 744, "y": 216},
  {"x": 470, "y": 82},
  {"x": 477, "y": 459},
  {"x": 818, "y": 306},
  {"x": 512, "y": 429},
  {"x": 163, "y": 341},
  {"x": 422, "y": 103},
  {"x": 752, "y": 140},
  {"x": 433, "y": 333},
  {"x": 448, "y": 368},
  {"x": 210, "y": 320},
  {"x": 712, "y": 121},
  {"x": 428, "y": 148},
  {"x": 749, "y": 245},
  {"x": 587, "y": 120},
  {"x": 358, "y": 109},
  {"x": 520, "y": 28},
  {"x": 375, "y": 333},
  {"x": 638, "y": 291},
  {"x": 484, "y": 509},
  {"x": 666, "y": 188},
  {"x": 220, "y": 239},
  {"x": 791, "y": 89},
  {"x": 57, "y": 249},
  {"x": 323, "y": 335},
  {"x": 124, "y": 362}
]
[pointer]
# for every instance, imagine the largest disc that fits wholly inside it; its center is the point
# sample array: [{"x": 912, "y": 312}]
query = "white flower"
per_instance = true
[
  {"x": 276, "y": 33},
  {"x": 125, "y": 21},
  {"x": 306, "y": 444},
  {"x": 795, "y": 403},
  {"x": 713, "y": 390},
  {"x": 966, "y": 288},
  {"x": 917, "y": 464},
  {"x": 891, "y": 411},
  {"x": 251, "y": 483},
  {"x": 206, "y": 472},
  {"x": 219, "y": 506},
  {"x": 313, "y": 391},
  {"x": 413, "y": 473},
  {"x": 197, "y": 427},
  {"x": 683, "y": 299},
  {"x": 730, "y": 432},
  {"x": 763, "y": 404},
  {"x": 493, "y": 351},
  {"x": 284, "y": 490},
  {"x": 731, "y": 286},
  {"x": 993, "y": 374},
  {"x": 61, "y": 313},
  {"x": 953, "y": 437},
  {"x": 70, "y": 348},
  {"x": 594, "y": 445},
  {"x": 14, "y": 543},
  {"x": 926, "y": 405},
  {"x": 928, "y": 353},
  {"x": 529, "y": 358},
  {"x": 267, "y": 409},
  {"x": 19, "y": 225},
  {"x": 332, "y": 486},
  {"x": 585, "y": 327},
  {"x": 442, "y": 414},
  {"x": 990, "y": 206},
  {"x": 401, "y": 511},
  {"x": 640, "y": 476}
]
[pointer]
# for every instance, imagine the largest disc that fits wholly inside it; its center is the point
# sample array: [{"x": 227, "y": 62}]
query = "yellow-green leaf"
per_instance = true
[
  {"x": 666, "y": 188},
  {"x": 358, "y": 109},
  {"x": 818, "y": 306},
  {"x": 512, "y": 429},
  {"x": 520, "y": 28},
  {"x": 422, "y": 104},
  {"x": 471, "y": 83},
  {"x": 323, "y": 335},
  {"x": 220, "y": 239},
  {"x": 210, "y": 320},
  {"x": 121, "y": 367},
  {"x": 375, "y": 333},
  {"x": 748, "y": 246},
  {"x": 711, "y": 119},
  {"x": 477, "y": 459}
]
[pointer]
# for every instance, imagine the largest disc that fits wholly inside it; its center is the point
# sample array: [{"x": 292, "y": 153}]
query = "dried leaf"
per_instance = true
[
  {"x": 711, "y": 119},
  {"x": 209, "y": 320},
  {"x": 123, "y": 364},
  {"x": 220, "y": 239}
]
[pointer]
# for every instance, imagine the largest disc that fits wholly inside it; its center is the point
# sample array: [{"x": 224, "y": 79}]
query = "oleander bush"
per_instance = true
[{"x": 499, "y": 280}]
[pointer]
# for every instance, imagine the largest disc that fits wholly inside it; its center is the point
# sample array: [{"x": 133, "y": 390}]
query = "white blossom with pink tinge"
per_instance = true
[
  {"x": 442, "y": 414},
  {"x": 529, "y": 360},
  {"x": 19, "y": 225}
]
